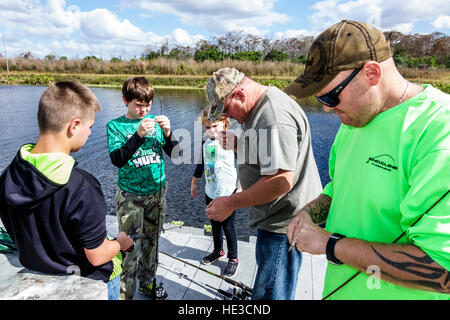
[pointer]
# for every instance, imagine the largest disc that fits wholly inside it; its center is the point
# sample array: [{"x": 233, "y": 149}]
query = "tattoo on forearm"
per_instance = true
[
  {"x": 427, "y": 272},
  {"x": 319, "y": 209}
]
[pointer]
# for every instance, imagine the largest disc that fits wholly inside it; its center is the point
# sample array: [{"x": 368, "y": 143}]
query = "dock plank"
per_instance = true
[
  {"x": 305, "y": 284},
  {"x": 319, "y": 268}
]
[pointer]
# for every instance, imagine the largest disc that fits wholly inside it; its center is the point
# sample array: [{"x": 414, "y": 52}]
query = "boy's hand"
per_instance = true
[
  {"x": 194, "y": 187},
  {"x": 164, "y": 123},
  {"x": 125, "y": 241},
  {"x": 145, "y": 127}
]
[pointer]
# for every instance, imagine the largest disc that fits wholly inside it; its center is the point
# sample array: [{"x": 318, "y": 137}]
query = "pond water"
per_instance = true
[{"x": 18, "y": 125}]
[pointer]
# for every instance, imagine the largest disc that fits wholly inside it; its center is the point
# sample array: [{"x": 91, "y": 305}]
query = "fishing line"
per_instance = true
[
  {"x": 242, "y": 286},
  {"x": 235, "y": 295}
]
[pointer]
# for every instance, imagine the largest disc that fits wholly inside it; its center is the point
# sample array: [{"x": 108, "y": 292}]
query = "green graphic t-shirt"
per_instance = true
[
  {"x": 384, "y": 176},
  {"x": 144, "y": 172}
]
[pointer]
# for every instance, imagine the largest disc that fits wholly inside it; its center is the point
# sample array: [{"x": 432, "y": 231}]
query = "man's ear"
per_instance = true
[
  {"x": 372, "y": 72},
  {"x": 73, "y": 127},
  {"x": 125, "y": 101}
]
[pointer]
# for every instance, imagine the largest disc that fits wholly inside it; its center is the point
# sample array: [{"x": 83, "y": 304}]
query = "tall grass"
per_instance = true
[
  {"x": 159, "y": 66},
  {"x": 172, "y": 72}
]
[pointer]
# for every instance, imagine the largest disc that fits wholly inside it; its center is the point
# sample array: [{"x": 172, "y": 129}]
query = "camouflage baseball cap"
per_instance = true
[
  {"x": 344, "y": 46},
  {"x": 220, "y": 85}
]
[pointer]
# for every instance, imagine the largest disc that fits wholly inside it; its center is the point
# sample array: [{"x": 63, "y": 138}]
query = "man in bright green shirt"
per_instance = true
[{"x": 387, "y": 207}]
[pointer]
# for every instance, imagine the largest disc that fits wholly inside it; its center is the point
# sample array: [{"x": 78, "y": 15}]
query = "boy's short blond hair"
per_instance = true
[
  {"x": 204, "y": 118},
  {"x": 138, "y": 88},
  {"x": 64, "y": 101}
]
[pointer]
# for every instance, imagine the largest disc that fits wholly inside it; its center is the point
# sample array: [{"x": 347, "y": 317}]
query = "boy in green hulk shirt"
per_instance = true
[
  {"x": 386, "y": 209},
  {"x": 136, "y": 142}
]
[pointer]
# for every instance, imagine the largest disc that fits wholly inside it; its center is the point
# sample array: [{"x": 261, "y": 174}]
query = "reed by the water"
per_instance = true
[{"x": 158, "y": 66}]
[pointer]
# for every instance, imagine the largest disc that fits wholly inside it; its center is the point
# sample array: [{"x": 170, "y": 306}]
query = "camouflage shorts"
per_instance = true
[{"x": 139, "y": 214}]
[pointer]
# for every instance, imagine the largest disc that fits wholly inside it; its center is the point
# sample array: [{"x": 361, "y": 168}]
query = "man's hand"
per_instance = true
[
  {"x": 164, "y": 123},
  {"x": 220, "y": 208},
  {"x": 307, "y": 236}
]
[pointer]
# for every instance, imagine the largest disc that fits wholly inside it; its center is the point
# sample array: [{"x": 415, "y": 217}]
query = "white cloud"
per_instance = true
[
  {"x": 442, "y": 22},
  {"x": 53, "y": 27},
  {"x": 402, "y": 27},
  {"x": 56, "y": 29},
  {"x": 31, "y": 18},
  {"x": 12, "y": 5},
  {"x": 103, "y": 24},
  {"x": 397, "y": 15},
  {"x": 218, "y": 16},
  {"x": 288, "y": 34},
  {"x": 183, "y": 38}
]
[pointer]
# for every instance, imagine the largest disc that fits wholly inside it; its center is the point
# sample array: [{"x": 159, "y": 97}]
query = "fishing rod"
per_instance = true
[
  {"x": 140, "y": 235},
  {"x": 235, "y": 295},
  {"x": 242, "y": 286},
  {"x": 240, "y": 292},
  {"x": 149, "y": 235},
  {"x": 246, "y": 289},
  {"x": 398, "y": 238},
  {"x": 158, "y": 203}
]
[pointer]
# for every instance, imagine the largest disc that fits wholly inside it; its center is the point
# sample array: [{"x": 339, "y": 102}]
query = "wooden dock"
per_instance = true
[
  {"x": 192, "y": 244},
  {"x": 181, "y": 281}
]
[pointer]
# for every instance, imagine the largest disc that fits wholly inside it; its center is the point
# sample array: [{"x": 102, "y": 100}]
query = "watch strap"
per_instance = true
[{"x": 334, "y": 238}]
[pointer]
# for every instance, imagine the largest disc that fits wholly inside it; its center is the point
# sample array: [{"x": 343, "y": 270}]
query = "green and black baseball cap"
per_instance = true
[{"x": 344, "y": 46}]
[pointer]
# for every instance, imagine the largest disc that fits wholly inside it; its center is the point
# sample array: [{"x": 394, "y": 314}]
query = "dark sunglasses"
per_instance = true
[
  {"x": 225, "y": 109},
  {"x": 331, "y": 99}
]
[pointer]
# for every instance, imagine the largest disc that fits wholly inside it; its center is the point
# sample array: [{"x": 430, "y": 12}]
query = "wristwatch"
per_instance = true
[{"x": 334, "y": 238}]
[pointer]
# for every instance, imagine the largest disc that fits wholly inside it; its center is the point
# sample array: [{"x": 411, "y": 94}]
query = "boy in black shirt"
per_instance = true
[{"x": 54, "y": 211}]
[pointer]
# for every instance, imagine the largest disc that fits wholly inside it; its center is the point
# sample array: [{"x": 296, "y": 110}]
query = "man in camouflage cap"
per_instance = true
[
  {"x": 277, "y": 172},
  {"x": 219, "y": 86},
  {"x": 389, "y": 170}
]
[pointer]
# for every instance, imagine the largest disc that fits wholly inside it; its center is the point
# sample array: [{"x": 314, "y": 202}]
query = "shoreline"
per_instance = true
[{"x": 181, "y": 82}]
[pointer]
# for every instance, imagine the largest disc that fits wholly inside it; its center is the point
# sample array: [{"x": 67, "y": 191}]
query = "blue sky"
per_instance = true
[{"x": 124, "y": 28}]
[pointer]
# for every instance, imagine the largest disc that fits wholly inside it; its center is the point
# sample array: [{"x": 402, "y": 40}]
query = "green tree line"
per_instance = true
[{"x": 409, "y": 50}]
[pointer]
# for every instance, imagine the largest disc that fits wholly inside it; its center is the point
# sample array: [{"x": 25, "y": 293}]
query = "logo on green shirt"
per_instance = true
[{"x": 383, "y": 161}]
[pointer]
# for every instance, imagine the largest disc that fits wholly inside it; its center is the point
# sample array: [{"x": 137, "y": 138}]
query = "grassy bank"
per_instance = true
[
  {"x": 116, "y": 81},
  {"x": 438, "y": 78}
]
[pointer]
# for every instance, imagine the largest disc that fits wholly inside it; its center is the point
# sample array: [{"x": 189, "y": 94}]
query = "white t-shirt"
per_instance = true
[{"x": 220, "y": 169}]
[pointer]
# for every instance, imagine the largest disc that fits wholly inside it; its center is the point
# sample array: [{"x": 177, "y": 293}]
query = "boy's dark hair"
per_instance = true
[
  {"x": 138, "y": 88},
  {"x": 63, "y": 101}
]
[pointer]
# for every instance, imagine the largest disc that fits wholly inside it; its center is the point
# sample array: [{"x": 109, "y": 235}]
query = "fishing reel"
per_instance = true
[
  {"x": 238, "y": 294},
  {"x": 242, "y": 294}
]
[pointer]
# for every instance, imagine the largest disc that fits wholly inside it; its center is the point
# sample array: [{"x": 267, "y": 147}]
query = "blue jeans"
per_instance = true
[
  {"x": 277, "y": 275},
  {"x": 114, "y": 288}
]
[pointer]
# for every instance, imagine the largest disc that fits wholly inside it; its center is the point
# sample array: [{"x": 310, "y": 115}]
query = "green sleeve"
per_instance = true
[
  {"x": 328, "y": 190},
  {"x": 429, "y": 180}
]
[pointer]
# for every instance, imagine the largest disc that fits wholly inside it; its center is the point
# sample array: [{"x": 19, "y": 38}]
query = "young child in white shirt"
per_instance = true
[{"x": 219, "y": 166}]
